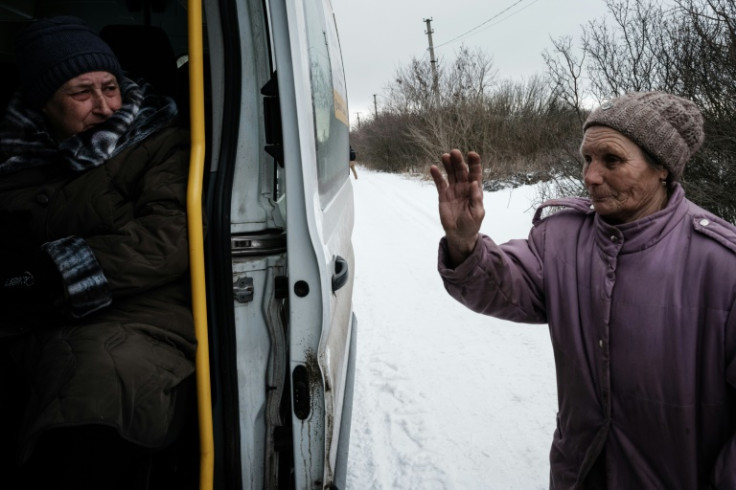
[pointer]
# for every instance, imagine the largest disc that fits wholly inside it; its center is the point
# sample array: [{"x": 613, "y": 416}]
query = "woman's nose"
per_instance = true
[
  {"x": 102, "y": 106},
  {"x": 592, "y": 173}
]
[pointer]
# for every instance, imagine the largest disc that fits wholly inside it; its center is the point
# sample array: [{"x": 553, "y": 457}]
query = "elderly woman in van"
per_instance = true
[
  {"x": 96, "y": 335},
  {"x": 638, "y": 286}
]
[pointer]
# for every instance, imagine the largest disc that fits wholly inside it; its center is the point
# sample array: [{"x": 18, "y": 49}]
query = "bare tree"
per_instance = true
[{"x": 565, "y": 71}]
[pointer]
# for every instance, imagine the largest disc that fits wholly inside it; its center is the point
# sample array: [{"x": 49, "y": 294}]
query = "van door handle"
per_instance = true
[{"x": 340, "y": 277}]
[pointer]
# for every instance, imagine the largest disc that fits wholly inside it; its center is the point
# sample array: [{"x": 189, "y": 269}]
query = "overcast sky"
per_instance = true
[{"x": 380, "y": 36}]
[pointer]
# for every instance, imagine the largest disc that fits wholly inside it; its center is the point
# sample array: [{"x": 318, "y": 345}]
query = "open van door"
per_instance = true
[
  {"x": 319, "y": 213},
  {"x": 280, "y": 220}
]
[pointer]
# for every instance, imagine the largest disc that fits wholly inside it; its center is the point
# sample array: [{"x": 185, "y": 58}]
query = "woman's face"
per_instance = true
[
  {"x": 83, "y": 102},
  {"x": 622, "y": 184}
]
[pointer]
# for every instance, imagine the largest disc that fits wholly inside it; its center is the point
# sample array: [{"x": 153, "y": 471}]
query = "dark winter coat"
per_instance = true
[
  {"x": 117, "y": 232},
  {"x": 643, "y": 327}
]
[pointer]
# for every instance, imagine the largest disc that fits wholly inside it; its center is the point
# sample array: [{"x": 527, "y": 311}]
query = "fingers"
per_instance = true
[
  {"x": 475, "y": 168},
  {"x": 476, "y": 194},
  {"x": 458, "y": 171},
  {"x": 455, "y": 166},
  {"x": 445, "y": 159},
  {"x": 439, "y": 180}
]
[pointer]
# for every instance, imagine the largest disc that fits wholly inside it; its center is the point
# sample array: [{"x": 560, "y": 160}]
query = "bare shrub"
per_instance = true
[{"x": 515, "y": 126}]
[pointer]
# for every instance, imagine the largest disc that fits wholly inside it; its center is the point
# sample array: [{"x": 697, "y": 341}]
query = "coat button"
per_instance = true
[{"x": 42, "y": 199}]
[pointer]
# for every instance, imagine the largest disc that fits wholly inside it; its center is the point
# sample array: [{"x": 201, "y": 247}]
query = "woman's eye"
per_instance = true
[{"x": 612, "y": 159}]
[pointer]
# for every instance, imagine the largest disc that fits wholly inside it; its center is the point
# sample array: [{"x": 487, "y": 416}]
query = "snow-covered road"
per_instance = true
[{"x": 444, "y": 398}]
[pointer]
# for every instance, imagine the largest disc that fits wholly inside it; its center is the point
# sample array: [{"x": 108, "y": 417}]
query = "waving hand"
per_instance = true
[{"x": 460, "y": 202}]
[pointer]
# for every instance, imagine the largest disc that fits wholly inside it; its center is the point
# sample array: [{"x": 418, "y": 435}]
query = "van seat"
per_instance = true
[{"x": 145, "y": 52}]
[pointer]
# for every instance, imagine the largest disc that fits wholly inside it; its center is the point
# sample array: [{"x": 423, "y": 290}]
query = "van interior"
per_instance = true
[{"x": 150, "y": 38}]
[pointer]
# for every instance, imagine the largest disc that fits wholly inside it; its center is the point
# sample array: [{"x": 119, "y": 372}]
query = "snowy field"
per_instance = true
[{"x": 444, "y": 398}]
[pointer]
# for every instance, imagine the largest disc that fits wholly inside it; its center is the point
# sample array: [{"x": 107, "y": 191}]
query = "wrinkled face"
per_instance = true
[
  {"x": 83, "y": 102},
  {"x": 622, "y": 184}
]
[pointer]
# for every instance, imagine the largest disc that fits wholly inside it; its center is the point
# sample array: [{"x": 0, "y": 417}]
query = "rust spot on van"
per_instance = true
[{"x": 315, "y": 376}]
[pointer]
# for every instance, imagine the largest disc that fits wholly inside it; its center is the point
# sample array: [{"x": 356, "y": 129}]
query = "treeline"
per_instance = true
[{"x": 532, "y": 129}]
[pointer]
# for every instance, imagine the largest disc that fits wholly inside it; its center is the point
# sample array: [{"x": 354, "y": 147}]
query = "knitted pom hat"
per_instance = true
[
  {"x": 54, "y": 50},
  {"x": 666, "y": 126}
]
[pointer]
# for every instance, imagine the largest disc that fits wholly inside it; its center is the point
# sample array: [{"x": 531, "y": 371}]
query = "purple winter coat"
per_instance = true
[{"x": 643, "y": 327}]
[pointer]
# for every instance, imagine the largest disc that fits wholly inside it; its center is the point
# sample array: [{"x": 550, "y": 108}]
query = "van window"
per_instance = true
[{"x": 329, "y": 100}]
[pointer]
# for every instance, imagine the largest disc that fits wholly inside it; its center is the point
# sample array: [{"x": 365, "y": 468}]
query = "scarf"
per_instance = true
[{"x": 25, "y": 139}]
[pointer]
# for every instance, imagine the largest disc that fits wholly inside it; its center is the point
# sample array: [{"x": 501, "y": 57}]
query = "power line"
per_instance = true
[
  {"x": 483, "y": 23},
  {"x": 486, "y": 22},
  {"x": 510, "y": 15}
]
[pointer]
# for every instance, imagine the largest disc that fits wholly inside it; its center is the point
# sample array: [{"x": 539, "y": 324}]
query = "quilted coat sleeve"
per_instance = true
[
  {"x": 145, "y": 244},
  {"x": 504, "y": 281},
  {"x": 724, "y": 474}
]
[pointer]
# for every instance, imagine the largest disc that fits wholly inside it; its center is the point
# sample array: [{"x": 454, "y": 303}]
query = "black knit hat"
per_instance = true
[
  {"x": 668, "y": 127},
  {"x": 54, "y": 50}
]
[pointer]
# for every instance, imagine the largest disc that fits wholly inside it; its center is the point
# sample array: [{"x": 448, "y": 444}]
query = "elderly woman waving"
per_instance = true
[
  {"x": 638, "y": 287},
  {"x": 96, "y": 335}
]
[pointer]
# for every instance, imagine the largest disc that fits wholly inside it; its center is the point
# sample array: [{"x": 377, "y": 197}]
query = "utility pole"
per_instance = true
[
  {"x": 432, "y": 59},
  {"x": 358, "y": 114},
  {"x": 375, "y": 106}
]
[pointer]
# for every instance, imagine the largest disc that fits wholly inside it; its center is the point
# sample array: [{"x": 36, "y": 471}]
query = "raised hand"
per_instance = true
[{"x": 460, "y": 202}]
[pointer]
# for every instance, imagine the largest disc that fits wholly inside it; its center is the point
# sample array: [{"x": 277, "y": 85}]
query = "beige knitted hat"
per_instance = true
[{"x": 666, "y": 126}]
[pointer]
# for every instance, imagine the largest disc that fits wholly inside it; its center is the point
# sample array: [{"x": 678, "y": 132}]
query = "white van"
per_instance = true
[{"x": 261, "y": 85}]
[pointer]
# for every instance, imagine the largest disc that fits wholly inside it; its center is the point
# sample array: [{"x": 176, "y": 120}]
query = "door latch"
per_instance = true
[{"x": 243, "y": 289}]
